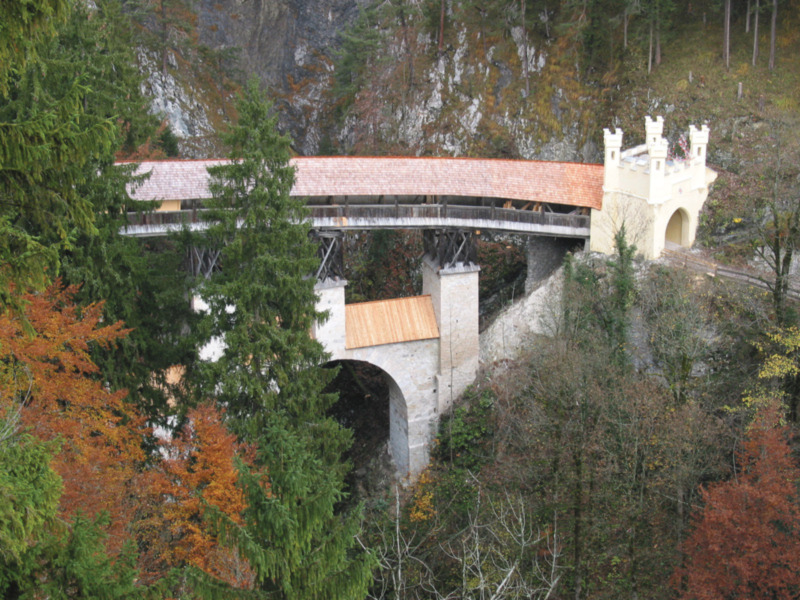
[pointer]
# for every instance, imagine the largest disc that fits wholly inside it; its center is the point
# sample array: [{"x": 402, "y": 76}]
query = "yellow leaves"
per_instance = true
[
  {"x": 783, "y": 362},
  {"x": 778, "y": 366},
  {"x": 422, "y": 508}
]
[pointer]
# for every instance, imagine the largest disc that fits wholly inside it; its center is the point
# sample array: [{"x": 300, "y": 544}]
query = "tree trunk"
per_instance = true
[
  {"x": 726, "y": 44},
  {"x": 658, "y": 40},
  {"x": 773, "y": 34},
  {"x": 164, "y": 38},
  {"x": 407, "y": 44},
  {"x": 525, "y": 49},
  {"x": 650, "y": 51},
  {"x": 577, "y": 515},
  {"x": 747, "y": 21},
  {"x": 755, "y": 34},
  {"x": 625, "y": 18},
  {"x": 441, "y": 29}
]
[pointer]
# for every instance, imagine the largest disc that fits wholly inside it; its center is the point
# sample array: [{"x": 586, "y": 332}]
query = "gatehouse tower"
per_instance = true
[{"x": 658, "y": 198}]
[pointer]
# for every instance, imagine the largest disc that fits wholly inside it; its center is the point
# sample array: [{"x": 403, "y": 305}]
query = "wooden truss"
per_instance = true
[
  {"x": 450, "y": 246},
  {"x": 331, "y": 255}
]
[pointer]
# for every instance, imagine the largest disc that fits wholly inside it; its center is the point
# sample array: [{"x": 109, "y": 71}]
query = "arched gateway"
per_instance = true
[{"x": 678, "y": 229}]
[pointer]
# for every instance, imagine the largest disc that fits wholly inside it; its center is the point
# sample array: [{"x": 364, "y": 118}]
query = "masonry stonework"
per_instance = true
[
  {"x": 454, "y": 293},
  {"x": 424, "y": 376}
]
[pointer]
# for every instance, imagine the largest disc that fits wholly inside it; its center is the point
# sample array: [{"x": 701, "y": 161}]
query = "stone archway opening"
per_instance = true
[
  {"x": 677, "y": 232},
  {"x": 364, "y": 402}
]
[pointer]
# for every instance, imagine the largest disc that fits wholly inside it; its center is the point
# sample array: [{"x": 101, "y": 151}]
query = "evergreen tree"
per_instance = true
[
  {"x": 24, "y": 26},
  {"x": 621, "y": 295},
  {"x": 359, "y": 43},
  {"x": 46, "y": 140},
  {"x": 146, "y": 289},
  {"x": 269, "y": 377},
  {"x": 42, "y": 556}
]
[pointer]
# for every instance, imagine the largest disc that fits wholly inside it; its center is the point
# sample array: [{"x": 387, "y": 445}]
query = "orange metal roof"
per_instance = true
[
  {"x": 390, "y": 322},
  {"x": 573, "y": 184}
]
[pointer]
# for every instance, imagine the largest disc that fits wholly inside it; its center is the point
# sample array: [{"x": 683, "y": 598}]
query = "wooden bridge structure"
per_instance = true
[{"x": 352, "y": 193}]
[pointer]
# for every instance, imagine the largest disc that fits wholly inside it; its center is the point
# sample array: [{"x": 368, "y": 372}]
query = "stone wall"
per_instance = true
[
  {"x": 454, "y": 294},
  {"x": 544, "y": 255},
  {"x": 514, "y": 329}
]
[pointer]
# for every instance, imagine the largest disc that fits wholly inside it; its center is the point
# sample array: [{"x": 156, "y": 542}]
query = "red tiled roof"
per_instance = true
[{"x": 573, "y": 184}]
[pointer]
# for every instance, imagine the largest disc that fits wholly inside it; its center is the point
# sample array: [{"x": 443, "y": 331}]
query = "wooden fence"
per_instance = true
[{"x": 713, "y": 269}]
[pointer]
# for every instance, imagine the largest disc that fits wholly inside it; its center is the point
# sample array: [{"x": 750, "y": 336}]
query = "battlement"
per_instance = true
[
  {"x": 644, "y": 185},
  {"x": 646, "y": 170}
]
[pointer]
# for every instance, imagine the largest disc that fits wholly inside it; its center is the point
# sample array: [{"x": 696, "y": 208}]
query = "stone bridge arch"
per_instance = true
[
  {"x": 426, "y": 370},
  {"x": 410, "y": 371}
]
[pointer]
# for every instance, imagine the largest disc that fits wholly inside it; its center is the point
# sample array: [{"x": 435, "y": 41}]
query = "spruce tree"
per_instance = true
[
  {"x": 270, "y": 376},
  {"x": 46, "y": 140},
  {"x": 141, "y": 281}
]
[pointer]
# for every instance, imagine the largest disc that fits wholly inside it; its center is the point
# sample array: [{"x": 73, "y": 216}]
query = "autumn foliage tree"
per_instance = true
[
  {"x": 746, "y": 541},
  {"x": 70, "y": 452},
  {"x": 48, "y": 372},
  {"x": 199, "y": 475}
]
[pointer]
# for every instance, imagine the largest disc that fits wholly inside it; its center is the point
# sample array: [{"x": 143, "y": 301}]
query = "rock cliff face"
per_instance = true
[
  {"x": 469, "y": 101},
  {"x": 288, "y": 44},
  {"x": 470, "y": 98}
]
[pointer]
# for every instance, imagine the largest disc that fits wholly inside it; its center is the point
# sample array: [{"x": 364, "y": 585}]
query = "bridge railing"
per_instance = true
[
  {"x": 444, "y": 211},
  {"x": 405, "y": 212}
]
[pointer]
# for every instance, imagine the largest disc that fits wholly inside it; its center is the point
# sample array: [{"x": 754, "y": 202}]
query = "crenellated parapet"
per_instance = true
[{"x": 656, "y": 197}]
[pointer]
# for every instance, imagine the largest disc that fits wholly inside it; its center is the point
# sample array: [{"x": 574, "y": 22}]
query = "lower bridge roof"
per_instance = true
[{"x": 389, "y": 322}]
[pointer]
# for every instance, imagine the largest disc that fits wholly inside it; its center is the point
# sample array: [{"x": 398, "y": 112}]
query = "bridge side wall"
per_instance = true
[{"x": 513, "y": 332}]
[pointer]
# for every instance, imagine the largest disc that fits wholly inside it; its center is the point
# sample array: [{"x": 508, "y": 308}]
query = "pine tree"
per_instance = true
[{"x": 269, "y": 378}]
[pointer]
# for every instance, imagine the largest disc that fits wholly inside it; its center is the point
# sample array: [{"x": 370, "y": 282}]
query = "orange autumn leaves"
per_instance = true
[
  {"x": 50, "y": 373},
  {"x": 47, "y": 376},
  {"x": 199, "y": 471}
]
